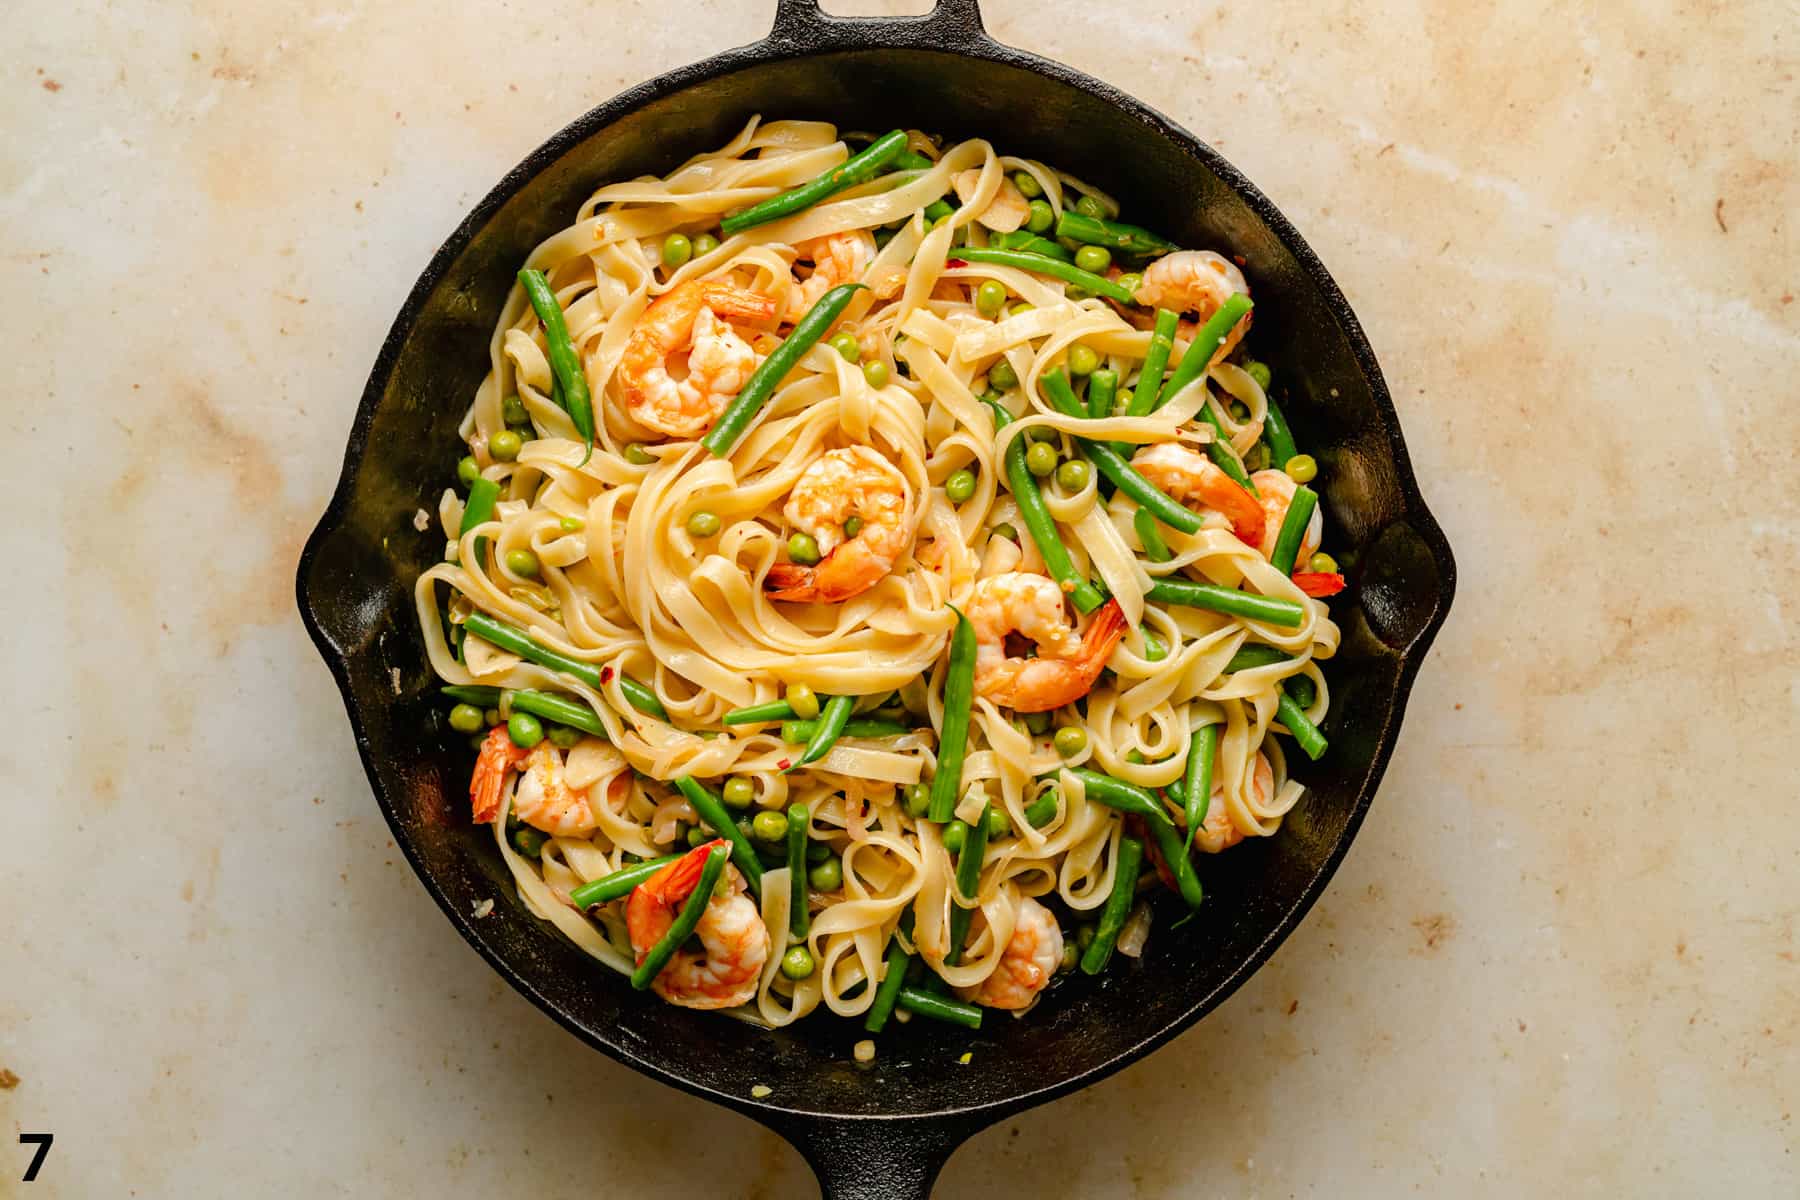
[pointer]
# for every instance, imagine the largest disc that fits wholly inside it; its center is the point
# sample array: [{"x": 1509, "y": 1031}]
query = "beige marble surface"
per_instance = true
[{"x": 1561, "y": 957}]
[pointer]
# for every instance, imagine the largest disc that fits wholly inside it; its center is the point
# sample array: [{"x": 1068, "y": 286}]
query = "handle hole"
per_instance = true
[{"x": 877, "y": 8}]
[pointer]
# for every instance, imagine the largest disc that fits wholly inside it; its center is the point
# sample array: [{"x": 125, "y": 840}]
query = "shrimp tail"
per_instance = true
[
  {"x": 498, "y": 756},
  {"x": 729, "y": 300},
  {"x": 1079, "y": 673},
  {"x": 1319, "y": 583},
  {"x": 676, "y": 882},
  {"x": 848, "y": 571},
  {"x": 1242, "y": 509}
]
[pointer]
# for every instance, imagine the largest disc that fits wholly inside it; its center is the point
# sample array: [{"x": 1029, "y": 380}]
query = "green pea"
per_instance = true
[
  {"x": 1090, "y": 206},
  {"x": 529, "y": 841},
  {"x": 827, "y": 876},
  {"x": 1084, "y": 937},
  {"x": 1322, "y": 564},
  {"x": 522, "y": 563},
  {"x": 465, "y": 718},
  {"x": 1019, "y": 309},
  {"x": 1038, "y": 723},
  {"x": 1082, "y": 360},
  {"x": 800, "y": 698},
  {"x": 705, "y": 244},
  {"x": 571, "y": 524},
  {"x": 875, "y": 373},
  {"x": 1093, "y": 258},
  {"x": 513, "y": 409},
  {"x": 853, "y": 526},
  {"x": 524, "y": 729},
  {"x": 1071, "y": 955},
  {"x": 1027, "y": 184},
  {"x": 1002, "y": 376},
  {"x": 803, "y": 549},
  {"x": 698, "y": 836},
  {"x": 936, "y": 211},
  {"x": 960, "y": 486},
  {"x": 637, "y": 456},
  {"x": 990, "y": 297},
  {"x": 1240, "y": 412},
  {"x": 1005, "y": 529},
  {"x": 1131, "y": 281},
  {"x": 846, "y": 346},
  {"x": 676, "y": 250},
  {"x": 702, "y": 524},
  {"x": 1040, "y": 216},
  {"x": 1072, "y": 292},
  {"x": 1302, "y": 468},
  {"x": 955, "y": 835},
  {"x": 1257, "y": 458},
  {"x": 738, "y": 792},
  {"x": 505, "y": 445},
  {"x": 918, "y": 800},
  {"x": 1260, "y": 372},
  {"x": 563, "y": 737},
  {"x": 797, "y": 963},
  {"x": 1073, "y": 475},
  {"x": 998, "y": 825},
  {"x": 467, "y": 470},
  {"x": 490, "y": 716},
  {"x": 1040, "y": 460},
  {"x": 1040, "y": 433},
  {"x": 769, "y": 826},
  {"x": 1070, "y": 740}
]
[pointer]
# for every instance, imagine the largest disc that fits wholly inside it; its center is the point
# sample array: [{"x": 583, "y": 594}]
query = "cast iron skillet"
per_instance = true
[{"x": 886, "y": 1129}]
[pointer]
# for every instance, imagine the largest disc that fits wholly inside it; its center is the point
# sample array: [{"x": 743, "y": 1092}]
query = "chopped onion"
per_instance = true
[
  {"x": 668, "y": 815},
  {"x": 864, "y": 1050},
  {"x": 1135, "y": 931}
]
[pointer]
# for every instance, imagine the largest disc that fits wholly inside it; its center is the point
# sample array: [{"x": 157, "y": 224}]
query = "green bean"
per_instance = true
[
  {"x": 953, "y": 743},
  {"x": 1193, "y": 366},
  {"x": 555, "y": 708},
  {"x": 1112, "y": 464},
  {"x": 893, "y": 978},
  {"x": 511, "y": 637},
  {"x": 619, "y": 883},
  {"x": 1114, "y": 235},
  {"x": 476, "y": 694},
  {"x": 922, "y": 1003},
  {"x": 803, "y": 732},
  {"x": 773, "y": 369},
  {"x": 968, "y": 879},
  {"x": 1042, "y": 527},
  {"x": 1116, "y": 793},
  {"x": 1103, "y": 385},
  {"x": 1043, "y": 264},
  {"x": 1288, "y": 708},
  {"x": 772, "y": 710},
  {"x": 1174, "y": 853},
  {"x": 571, "y": 381},
  {"x": 1293, "y": 529},
  {"x": 1301, "y": 688},
  {"x": 1196, "y": 787},
  {"x": 659, "y": 955},
  {"x": 827, "y": 729},
  {"x": 853, "y": 170},
  {"x": 1252, "y": 655},
  {"x": 1118, "y": 905},
  {"x": 1156, "y": 363},
  {"x": 912, "y": 160},
  {"x": 480, "y": 506},
  {"x": 711, "y": 809},
  {"x": 1155, "y": 548},
  {"x": 1232, "y": 601},
  {"x": 799, "y": 920},
  {"x": 1030, "y": 242},
  {"x": 1039, "y": 812},
  {"x": 1279, "y": 436}
]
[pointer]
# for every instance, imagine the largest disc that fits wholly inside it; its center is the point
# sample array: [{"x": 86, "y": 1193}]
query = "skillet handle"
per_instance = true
[
  {"x": 858, "y": 1158},
  {"x": 802, "y": 24}
]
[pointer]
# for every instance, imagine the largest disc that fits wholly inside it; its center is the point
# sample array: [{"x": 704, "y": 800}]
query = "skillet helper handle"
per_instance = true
[
  {"x": 872, "y": 1159},
  {"x": 950, "y": 24}
]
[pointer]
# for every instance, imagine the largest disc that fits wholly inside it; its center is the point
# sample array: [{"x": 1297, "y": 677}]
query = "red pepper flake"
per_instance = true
[
  {"x": 956, "y": 262},
  {"x": 1318, "y": 583},
  {"x": 785, "y": 763},
  {"x": 606, "y": 674}
]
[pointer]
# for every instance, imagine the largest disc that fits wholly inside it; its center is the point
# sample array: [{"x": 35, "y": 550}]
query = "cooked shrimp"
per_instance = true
[
  {"x": 543, "y": 799},
  {"x": 1275, "y": 491},
  {"x": 1189, "y": 475},
  {"x": 837, "y": 258},
  {"x": 1027, "y": 964},
  {"x": 682, "y": 364},
  {"x": 1217, "y": 831},
  {"x": 1066, "y": 666},
  {"x": 1195, "y": 281},
  {"x": 841, "y": 484},
  {"x": 734, "y": 943}
]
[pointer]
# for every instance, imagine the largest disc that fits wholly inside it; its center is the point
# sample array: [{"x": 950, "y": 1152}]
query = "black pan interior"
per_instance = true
[{"x": 356, "y": 579}]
